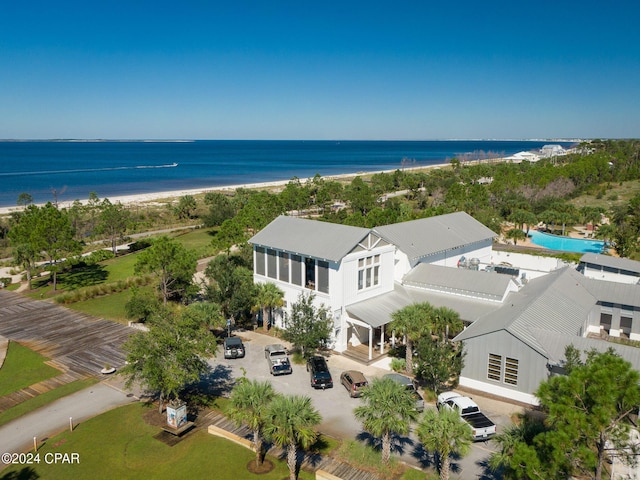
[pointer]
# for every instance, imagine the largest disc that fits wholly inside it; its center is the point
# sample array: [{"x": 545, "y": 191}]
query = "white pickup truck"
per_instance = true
[
  {"x": 482, "y": 427},
  {"x": 278, "y": 359}
]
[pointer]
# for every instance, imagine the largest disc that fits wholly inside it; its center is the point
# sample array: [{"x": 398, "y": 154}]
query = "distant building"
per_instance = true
[
  {"x": 523, "y": 156},
  {"x": 548, "y": 151}
]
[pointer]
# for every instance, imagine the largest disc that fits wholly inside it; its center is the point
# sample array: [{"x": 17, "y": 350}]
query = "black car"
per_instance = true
[
  {"x": 319, "y": 372},
  {"x": 233, "y": 348}
]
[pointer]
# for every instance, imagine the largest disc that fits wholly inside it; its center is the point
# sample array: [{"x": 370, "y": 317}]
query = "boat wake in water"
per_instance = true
[{"x": 83, "y": 170}]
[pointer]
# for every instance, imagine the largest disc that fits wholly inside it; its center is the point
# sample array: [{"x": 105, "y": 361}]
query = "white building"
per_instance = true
[{"x": 516, "y": 331}]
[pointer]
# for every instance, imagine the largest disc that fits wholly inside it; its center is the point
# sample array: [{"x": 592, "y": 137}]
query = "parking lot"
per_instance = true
[{"x": 336, "y": 406}]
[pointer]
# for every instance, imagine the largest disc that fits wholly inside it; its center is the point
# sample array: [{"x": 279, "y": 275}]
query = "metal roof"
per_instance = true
[
  {"x": 470, "y": 283},
  {"x": 313, "y": 238},
  {"x": 557, "y": 303},
  {"x": 614, "y": 292},
  {"x": 612, "y": 262},
  {"x": 427, "y": 236},
  {"x": 377, "y": 311},
  {"x": 555, "y": 346}
]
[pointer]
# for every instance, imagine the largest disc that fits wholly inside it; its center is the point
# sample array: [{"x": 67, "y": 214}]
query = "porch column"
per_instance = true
[
  {"x": 370, "y": 342},
  {"x": 382, "y": 340}
]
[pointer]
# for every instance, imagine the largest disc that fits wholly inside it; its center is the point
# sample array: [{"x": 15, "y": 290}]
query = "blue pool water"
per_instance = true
[{"x": 566, "y": 244}]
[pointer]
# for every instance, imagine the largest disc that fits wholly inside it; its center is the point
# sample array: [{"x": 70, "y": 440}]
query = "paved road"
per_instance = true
[{"x": 17, "y": 436}]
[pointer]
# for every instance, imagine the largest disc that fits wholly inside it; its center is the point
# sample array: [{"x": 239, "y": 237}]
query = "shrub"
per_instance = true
[
  {"x": 398, "y": 364},
  {"x": 98, "y": 256}
]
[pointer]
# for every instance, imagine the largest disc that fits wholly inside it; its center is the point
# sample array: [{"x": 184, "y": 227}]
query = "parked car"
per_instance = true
[
  {"x": 354, "y": 381},
  {"x": 278, "y": 359},
  {"x": 233, "y": 348},
  {"x": 409, "y": 385},
  {"x": 319, "y": 372}
]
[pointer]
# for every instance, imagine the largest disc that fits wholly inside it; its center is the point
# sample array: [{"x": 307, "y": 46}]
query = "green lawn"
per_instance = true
[
  {"x": 23, "y": 367},
  {"x": 110, "y": 306},
  {"x": 120, "y": 444}
]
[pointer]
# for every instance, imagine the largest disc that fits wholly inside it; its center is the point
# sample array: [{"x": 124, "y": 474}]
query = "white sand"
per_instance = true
[{"x": 175, "y": 194}]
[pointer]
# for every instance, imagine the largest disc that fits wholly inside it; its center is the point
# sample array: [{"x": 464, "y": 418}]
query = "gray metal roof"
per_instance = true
[
  {"x": 377, "y": 311},
  {"x": 557, "y": 303},
  {"x": 457, "y": 281},
  {"x": 614, "y": 292},
  {"x": 612, "y": 262},
  {"x": 313, "y": 238},
  {"x": 555, "y": 346},
  {"x": 427, "y": 236}
]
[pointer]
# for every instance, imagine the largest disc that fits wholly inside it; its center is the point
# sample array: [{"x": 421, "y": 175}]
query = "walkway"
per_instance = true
[{"x": 77, "y": 344}]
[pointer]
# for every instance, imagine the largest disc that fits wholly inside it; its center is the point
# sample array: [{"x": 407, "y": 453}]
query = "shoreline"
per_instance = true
[{"x": 141, "y": 198}]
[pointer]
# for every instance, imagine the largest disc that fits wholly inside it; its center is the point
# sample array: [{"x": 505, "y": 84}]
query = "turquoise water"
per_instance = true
[{"x": 566, "y": 244}]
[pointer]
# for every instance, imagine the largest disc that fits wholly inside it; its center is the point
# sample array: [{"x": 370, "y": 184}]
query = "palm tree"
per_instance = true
[
  {"x": 290, "y": 422},
  {"x": 248, "y": 405},
  {"x": 412, "y": 321},
  {"x": 388, "y": 409},
  {"x": 515, "y": 234},
  {"x": 269, "y": 296},
  {"x": 446, "y": 433},
  {"x": 446, "y": 322}
]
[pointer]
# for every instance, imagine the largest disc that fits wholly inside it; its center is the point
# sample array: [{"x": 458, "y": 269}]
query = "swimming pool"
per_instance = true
[{"x": 566, "y": 244}]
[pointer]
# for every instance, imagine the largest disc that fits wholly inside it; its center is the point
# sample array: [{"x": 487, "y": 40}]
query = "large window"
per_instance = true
[
  {"x": 368, "y": 272},
  {"x": 323, "y": 277},
  {"x": 283, "y": 270},
  {"x": 259, "y": 261},
  {"x": 272, "y": 264},
  {"x": 296, "y": 269}
]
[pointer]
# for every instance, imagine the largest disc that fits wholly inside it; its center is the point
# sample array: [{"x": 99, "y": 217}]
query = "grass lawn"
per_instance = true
[
  {"x": 120, "y": 444},
  {"x": 23, "y": 367},
  {"x": 110, "y": 307}
]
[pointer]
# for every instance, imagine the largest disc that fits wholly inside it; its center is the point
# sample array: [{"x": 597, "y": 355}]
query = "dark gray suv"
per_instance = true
[
  {"x": 233, "y": 348},
  {"x": 319, "y": 372}
]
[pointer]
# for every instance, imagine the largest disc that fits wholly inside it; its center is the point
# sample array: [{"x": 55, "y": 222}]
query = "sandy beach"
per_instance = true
[{"x": 175, "y": 194}]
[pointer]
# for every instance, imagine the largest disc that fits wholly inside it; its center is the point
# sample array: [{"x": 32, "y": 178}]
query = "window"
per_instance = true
[
  {"x": 605, "y": 321},
  {"x": 494, "y": 371},
  {"x": 296, "y": 270},
  {"x": 310, "y": 273},
  {"x": 511, "y": 371},
  {"x": 368, "y": 272},
  {"x": 271, "y": 264},
  {"x": 323, "y": 276},
  {"x": 259, "y": 261},
  {"x": 283, "y": 270}
]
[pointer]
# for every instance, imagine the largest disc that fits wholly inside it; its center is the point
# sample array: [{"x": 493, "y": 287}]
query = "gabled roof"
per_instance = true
[
  {"x": 612, "y": 262},
  {"x": 558, "y": 302},
  {"x": 313, "y": 238},
  {"x": 428, "y": 236},
  {"x": 469, "y": 283}
]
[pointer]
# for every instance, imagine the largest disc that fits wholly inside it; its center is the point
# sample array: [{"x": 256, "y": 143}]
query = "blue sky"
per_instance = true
[{"x": 319, "y": 70}]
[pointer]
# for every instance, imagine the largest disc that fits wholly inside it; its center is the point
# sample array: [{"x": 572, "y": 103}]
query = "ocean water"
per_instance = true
[{"x": 73, "y": 169}]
